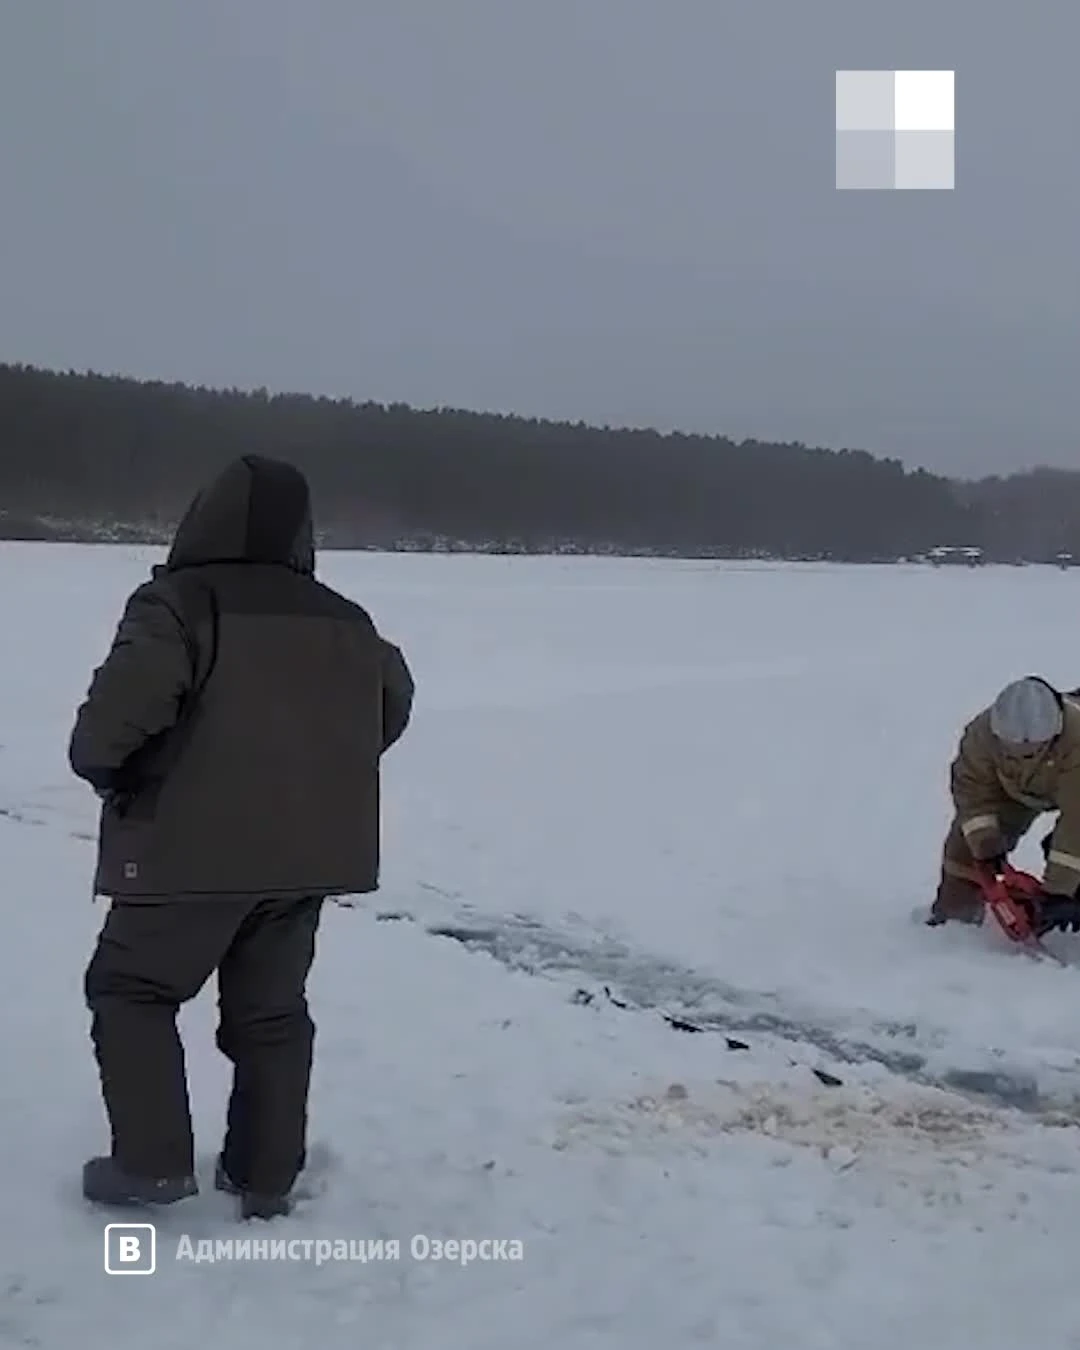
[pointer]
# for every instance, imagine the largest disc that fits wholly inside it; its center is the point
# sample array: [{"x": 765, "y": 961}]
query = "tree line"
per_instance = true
[{"x": 88, "y": 456}]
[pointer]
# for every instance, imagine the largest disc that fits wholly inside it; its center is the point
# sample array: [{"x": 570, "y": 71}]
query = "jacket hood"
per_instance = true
[{"x": 257, "y": 510}]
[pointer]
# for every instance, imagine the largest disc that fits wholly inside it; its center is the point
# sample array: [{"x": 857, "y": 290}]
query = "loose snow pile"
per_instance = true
[
  {"x": 717, "y": 790},
  {"x": 841, "y": 1124}
]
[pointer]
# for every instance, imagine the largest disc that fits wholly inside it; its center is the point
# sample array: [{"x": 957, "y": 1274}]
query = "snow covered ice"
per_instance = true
[{"x": 718, "y": 790}]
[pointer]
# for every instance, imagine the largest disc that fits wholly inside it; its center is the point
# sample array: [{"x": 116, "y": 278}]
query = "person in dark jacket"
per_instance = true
[{"x": 234, "y": 734}]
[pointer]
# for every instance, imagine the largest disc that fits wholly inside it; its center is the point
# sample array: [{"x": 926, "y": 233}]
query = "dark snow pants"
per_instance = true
[{"x": 151, "y": 958}]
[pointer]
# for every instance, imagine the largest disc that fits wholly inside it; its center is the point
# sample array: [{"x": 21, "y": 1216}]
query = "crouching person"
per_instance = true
[
  {"x": 1016, "y": 760},
  {"x": 234, "y": 733}
]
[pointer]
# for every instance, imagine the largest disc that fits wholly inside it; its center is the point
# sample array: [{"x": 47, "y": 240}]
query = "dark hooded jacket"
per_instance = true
[{"x": 235, "y": 728}]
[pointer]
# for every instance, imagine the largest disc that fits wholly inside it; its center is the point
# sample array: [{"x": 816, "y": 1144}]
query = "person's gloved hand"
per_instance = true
[
  {"x": 113, "y": 799},
  {"x": 1057, "y": 912},
  {"x": 992, "y": 851}
]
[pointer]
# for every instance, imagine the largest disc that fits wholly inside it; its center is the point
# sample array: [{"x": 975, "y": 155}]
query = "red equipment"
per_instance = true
[{"x": 1012, "y": 897}]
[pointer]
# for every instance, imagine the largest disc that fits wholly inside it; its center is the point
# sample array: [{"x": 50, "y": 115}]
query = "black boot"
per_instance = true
[
  {"x": 106, "y": 1183},
  {"x": 222, "y": 1180},
  {"x": 957, "y": 901},
  {"x": 252, "y": 1205}
]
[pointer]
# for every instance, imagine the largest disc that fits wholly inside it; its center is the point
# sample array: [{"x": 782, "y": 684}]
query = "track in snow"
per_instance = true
[{"x": 697, "y": 1001}]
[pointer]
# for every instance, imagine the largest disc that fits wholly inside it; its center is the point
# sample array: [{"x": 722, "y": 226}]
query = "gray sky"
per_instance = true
[{"x": 615, "y": 210}]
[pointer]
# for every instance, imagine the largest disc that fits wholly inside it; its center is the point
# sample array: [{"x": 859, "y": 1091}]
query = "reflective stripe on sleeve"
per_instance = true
[{"x": 976, "y": 824}]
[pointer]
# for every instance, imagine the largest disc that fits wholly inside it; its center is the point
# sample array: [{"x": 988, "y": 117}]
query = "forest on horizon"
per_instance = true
[{"x": 96, "y": 457}]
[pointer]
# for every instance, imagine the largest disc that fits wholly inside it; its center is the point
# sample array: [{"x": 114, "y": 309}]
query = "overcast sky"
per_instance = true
[{"x": 616, "y": 210}]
